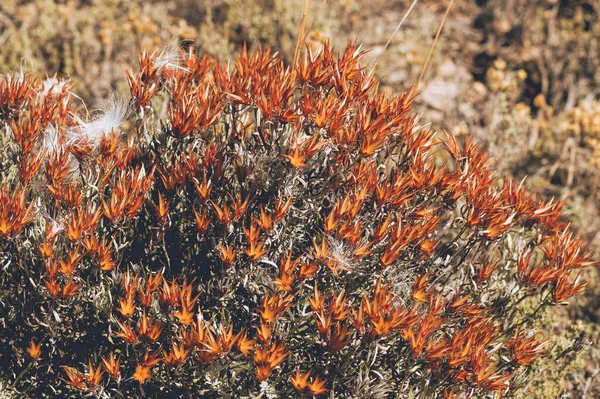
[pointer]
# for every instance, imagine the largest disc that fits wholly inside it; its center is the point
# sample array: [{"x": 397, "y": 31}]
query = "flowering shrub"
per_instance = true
[{"x": 265, "y": 230}]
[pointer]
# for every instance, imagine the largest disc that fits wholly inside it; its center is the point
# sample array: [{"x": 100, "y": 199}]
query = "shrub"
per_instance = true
[{"x": 261, "y": 230}]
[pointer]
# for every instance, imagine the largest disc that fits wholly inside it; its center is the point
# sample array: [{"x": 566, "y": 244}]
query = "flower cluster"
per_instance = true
[{"x": 258, "y": 228}]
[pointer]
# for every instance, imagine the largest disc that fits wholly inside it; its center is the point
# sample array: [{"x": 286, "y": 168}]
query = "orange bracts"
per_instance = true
[
  {"x": 71, "y": 288},
  {"x": 419, "y": 288},
  {"x": 203, "y": 189},
  {"x": 384, "y": 313},
  {"x": 301, "y": 152},
  {"x": 142, "y": 373},
  {"x": 287, "y": 268},
  {"x": 245, "y": 345},
  {"x": 267, "y": 359},
  {"x": 127, "y": 306},
  {"x": 128, "y": 194},
  {"x": 149, "y": 329},
  {"x": 202, "y": 220},
  {"x": 301, "y": 383},
  {"x": 331, "y": 320},
  {"x": 162, "y": 209},
  {"x": 255, "y": 249},
  {"x": 142, "y": 370},
  {"x": 14, "y": 213},
  {"x": 265, "y": 222},
  {"x": 525, "y": 349},
  {"x": 82, "y": 221},
  {"x": 112, "y": 365},
  {"x": 177, "y": 356},
  {"x": 274, "y": 305},
  {"x": 564, "y": 290},
  {"x": 126, "y": 334},
  {"x": 34, "y": 350},
  {"x": 485, "y": 272},
  {"x": 227, "y": 253},
  {"x": 87, "y": 381}
]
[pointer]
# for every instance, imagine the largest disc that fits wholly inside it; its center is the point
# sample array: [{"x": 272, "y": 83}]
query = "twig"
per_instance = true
[
  {"x": 301, "y": 32},
  {"x": 414, "y": 3},
  {"x": 437, "y": 36},
  {"x": 164, "y": 244},
  {"x": 25, "y": 370}
]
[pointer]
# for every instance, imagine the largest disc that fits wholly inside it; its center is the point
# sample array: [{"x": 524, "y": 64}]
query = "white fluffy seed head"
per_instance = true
[
  {"x": 169, "y": 58},
  {"x": 52, "y": 142},
  {"x": 342, "y": 254},
  {"x": 109, "y": 121},
  {"x": 53, "y": 86}
]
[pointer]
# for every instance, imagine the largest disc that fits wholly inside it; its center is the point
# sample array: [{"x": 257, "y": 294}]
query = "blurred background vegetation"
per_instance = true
[{"x": 523, "y": 76}]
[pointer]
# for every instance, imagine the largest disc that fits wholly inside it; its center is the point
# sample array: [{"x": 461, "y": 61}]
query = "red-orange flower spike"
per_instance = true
[
  {"x": 126, "y": 334},
  {"x": 74, "y": 378},
  {"x": 223, "y": 214},
  {"x": 161, "y": 208},
  {"x": 263, "y": 332},
  {"x": 340, "y": 337},
  {"x": 177, "y": 356},
  {"x": 485, "y": 272},
  {"x": 525, "y": 349},
  {"x": 419, "y": 286},
  {"x": 14, "y": 214},
  {"x": 267, "y": 359},
  {"x": 227, "y": 253},
  {"x": 93, "y": 376},
  {"x": 204, "y": 188},
  {"x": 273, "y": 306},
  {"x": 317, "y": 387},
  {"x": 300, "y": 381},
  {"x": 265, "y": 221},
  {"x": 282, "y": 208},
  {"x": 127, "y": 306},
  {"x": 564, "y": 290},
  {"x": 148, "y": 329},
  {"x": 245, "y": 345},
  {"x": 34, "y": 350},
  {"x": 142, "y": 373},
  {"x": 185, "y": 316},
  {"x": 112, "y": 365},
  {"x": 202, "y": 220},
  {"x": 71, "y": 288}
]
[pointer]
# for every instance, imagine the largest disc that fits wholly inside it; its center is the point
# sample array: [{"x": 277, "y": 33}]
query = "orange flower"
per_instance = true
[
  {"x": 317, "y": 387},
  {"x": 127, "y": 306},
  {"x": 185, "y": 316},
  {"x": 267, "y": 359},
  {"x": 71, "y": 288},
  {"x": 142, "y": 373},
  {"x": 419, "y": 287},
  {"x": 126, "y": 334},
  {"x": 244, "y": 344},
  {"x": 227, "y": 254},
  {"x": 300, "y": 381},
  {"x": 525, "y": 349},
  {"x": 112, "y": 366},
  {"x": 34, "y": 350},
  {"x": 93, "y": 376},
  {"x": 177, "y": 356},
  {"x": 74, "y": 378}
]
